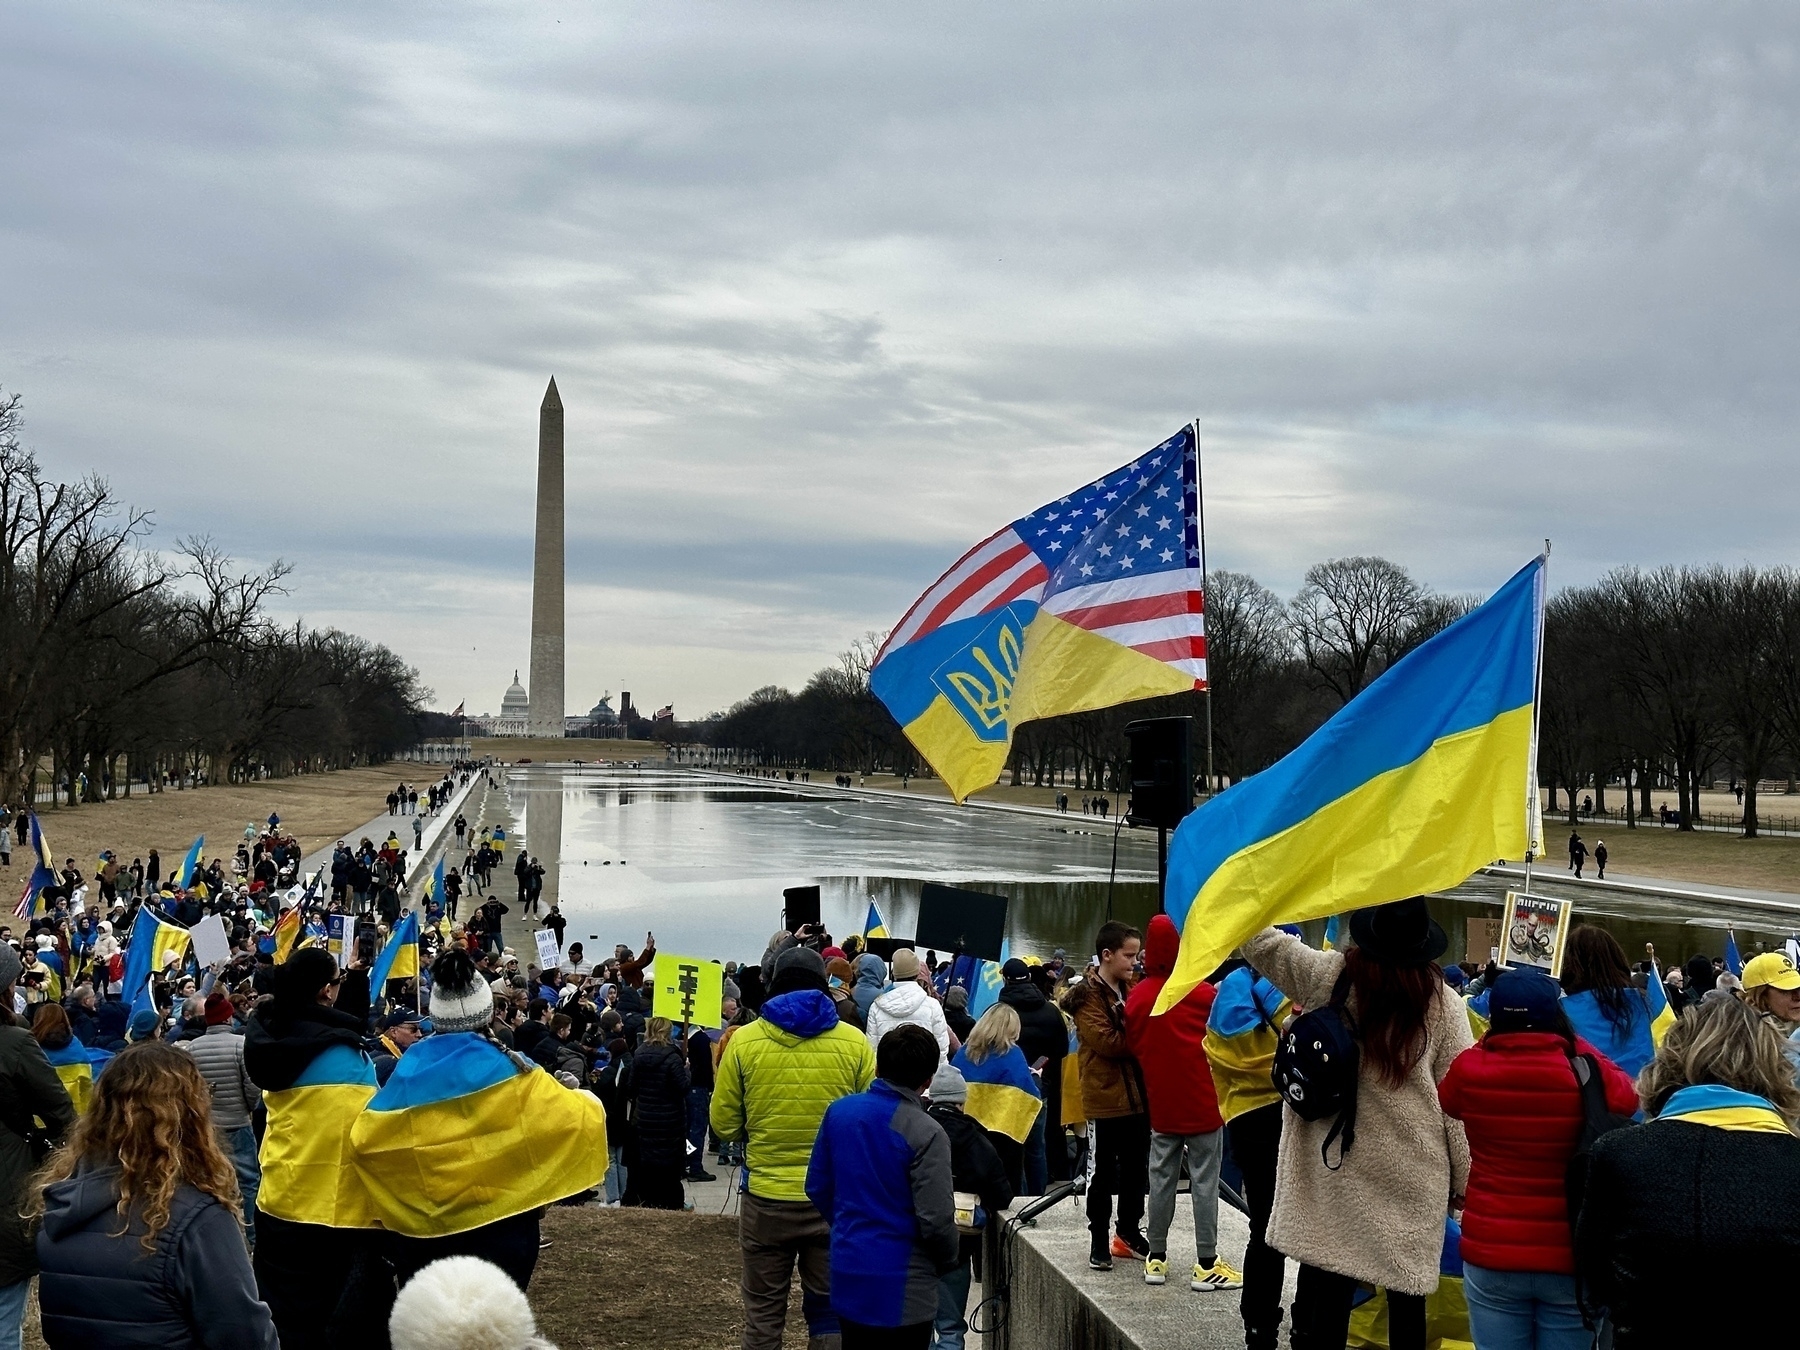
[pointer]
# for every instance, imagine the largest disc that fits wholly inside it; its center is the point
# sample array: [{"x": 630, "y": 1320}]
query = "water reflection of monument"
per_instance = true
[{"x": 543, "y": 802}]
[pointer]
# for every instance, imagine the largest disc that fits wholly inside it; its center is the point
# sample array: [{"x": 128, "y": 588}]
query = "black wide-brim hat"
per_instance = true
[{"x": 1401, "y": 933}]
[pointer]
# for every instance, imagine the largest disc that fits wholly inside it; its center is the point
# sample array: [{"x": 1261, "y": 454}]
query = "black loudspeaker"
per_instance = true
[
  {"x": 802, "y": 906},
  {"x": 1162, "y": 777},
  {"x": 953, "y": 920}
]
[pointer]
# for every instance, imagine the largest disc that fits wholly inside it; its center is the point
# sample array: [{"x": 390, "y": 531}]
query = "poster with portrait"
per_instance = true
[{"x": 1534, "y": 929}]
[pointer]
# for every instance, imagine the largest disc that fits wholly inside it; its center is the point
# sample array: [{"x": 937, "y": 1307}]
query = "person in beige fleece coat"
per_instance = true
[{"x": 1379, "y": 1218}]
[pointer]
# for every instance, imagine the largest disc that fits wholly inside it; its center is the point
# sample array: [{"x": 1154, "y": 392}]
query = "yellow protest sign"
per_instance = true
[{"x": 688, "y": 989}]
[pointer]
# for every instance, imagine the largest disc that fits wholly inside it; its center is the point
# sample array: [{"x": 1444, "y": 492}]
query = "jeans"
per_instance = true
[
  {"x": 12, "y": 1314},
  {"x": 1037, "y": 1158},
  {"x": 615, "y": 1174},
  {"x": 698, "y": 1101},
  {"x": 249, "y": 1173},
  {"x": 1121, "y": 1161},
  {"x": 1523, "y": 1310},
  {"x": 953, "y": 1297},
  {"x": 1204, "y": 1152}
]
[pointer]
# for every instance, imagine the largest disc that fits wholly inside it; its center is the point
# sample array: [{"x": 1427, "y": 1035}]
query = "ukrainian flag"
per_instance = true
[
  {"x": 1003, "y": 1094},
  {"x": 461, "y": 1136},
  {"x": 1425, "y": 776},
  {"x": 1089, "y": 601},
  {"x": 286, "y": 934},
  {"x": 984, "y": 989},
  {"x": 306, "y": 1172},
  {"x": 1733, "y": 962},
  {"x": 78, "y": 1067},
  {"x": 873, "y": 926},
  {"x": 399, "y": 960},
  {"x": 1331, "y": 932},
  {"x": 1662, "y": 1016},
  {"x": 43, "y": 874},
  {"x": 1724, "y": 1107},
  {"x": 190, "y": 864},
  {"x": 1242, "y": 1031},
  {"x": 152, "y": 939}
]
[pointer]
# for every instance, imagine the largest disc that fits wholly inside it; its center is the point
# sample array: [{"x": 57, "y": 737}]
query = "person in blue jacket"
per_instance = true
[
  {"x": 1600, "y": 1002},
  {"x": 881, "y": 1177}
]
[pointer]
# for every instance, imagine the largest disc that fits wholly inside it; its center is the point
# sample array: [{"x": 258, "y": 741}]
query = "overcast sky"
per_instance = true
[{"x": 832, "y": 291}]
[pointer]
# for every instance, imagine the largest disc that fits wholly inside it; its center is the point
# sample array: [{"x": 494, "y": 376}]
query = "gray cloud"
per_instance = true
[{"x": 831, "y": 292}]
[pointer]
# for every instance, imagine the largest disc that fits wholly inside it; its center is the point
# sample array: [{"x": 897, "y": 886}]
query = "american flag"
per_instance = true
[{"x": 1119, "y": 557}]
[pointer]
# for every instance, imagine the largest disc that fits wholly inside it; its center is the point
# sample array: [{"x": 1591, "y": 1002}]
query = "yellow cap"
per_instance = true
[{"x": 1773, "y": 969}]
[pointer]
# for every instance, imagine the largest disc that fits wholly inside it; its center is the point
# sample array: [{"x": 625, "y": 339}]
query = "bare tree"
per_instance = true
[{"x": 1353, "y": 618}]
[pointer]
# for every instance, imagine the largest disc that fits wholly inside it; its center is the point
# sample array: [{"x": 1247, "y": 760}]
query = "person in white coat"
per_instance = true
[{"x": 908, "y": 1000}]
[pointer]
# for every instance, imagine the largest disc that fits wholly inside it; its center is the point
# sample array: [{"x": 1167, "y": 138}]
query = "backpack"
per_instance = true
[
  {"x": 1596, "y": 1120},
  {"x": 1316, "y": 1062}
]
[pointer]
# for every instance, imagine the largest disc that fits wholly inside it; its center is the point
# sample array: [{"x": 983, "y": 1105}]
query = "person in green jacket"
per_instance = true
[
  {"x": 29, "y": 1088},
  {"x": 776, "y": 1077}
]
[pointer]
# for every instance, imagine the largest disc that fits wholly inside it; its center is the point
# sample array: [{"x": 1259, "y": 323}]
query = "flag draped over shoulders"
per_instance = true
[
  {"x": 1414, "y": 784},
  {"x": 461, "y": 1136},
  {"x": 1003, "y": 1094},
  {"x": 1089, "y": 601}
]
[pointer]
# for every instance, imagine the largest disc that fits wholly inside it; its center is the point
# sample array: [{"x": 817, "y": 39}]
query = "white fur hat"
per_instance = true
[{"x": 463, "y": 1303}]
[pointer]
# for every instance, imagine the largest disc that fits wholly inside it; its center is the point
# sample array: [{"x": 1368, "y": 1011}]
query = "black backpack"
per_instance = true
[
  {"x": 1596, "y": 1120},
  {"x": 1316, "y": 1062}
]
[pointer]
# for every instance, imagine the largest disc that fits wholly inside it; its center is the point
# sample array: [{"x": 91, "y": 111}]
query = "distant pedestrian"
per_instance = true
[
  {"x": 1578, "y": 856},
  {"x": 1600, "y": 857}
]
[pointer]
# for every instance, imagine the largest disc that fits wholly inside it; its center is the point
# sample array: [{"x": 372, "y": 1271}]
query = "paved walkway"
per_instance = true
[
  {"x": 1679, "y": 890},
  {"x": 437, "y": 831}
]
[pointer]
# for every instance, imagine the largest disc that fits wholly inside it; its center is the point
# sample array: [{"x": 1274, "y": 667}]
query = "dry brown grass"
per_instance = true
[{"x": 316, "y": 808}]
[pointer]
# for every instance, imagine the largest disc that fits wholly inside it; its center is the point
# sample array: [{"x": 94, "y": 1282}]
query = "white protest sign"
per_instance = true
[
  {"x": 211, "y": 943},
  {"x": 549, "y": 954}
]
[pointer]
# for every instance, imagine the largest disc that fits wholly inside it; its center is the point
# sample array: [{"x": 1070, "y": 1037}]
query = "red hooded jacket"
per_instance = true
[
  {"x": 1177, "y": 1077},
  {"x": 1516, "y": 1095}
]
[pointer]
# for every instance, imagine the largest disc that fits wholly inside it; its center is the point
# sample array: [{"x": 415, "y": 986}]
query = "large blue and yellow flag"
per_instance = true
[
  {"x": 32, "y": 904},
  {"x": 1425, "y": 776},
  {"x": 77, "y": 1066},
  {"x": 1090, "y": 601},
  {"x": 1003, "y": 1094},
  {"x": 461, "y": 1136},
  {"x": 306, "y": 1171},
  {"x": 399, "y": 960},
  {"x": 153, "y": 938}
]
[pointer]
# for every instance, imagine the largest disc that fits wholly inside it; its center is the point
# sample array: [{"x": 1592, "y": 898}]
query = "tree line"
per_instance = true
[
  {"x": 1663, "y": 678},
  {"x": 121, "y": 662}
]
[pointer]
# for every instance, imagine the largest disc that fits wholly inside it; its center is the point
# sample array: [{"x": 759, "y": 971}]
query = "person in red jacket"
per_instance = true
[
  {"x": 1184, "y": 1112},
  {"x": 1518, "y": 1098}
]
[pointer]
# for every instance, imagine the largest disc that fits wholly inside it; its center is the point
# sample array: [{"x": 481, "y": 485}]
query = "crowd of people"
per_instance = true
[{"x": 297, "y": 1141}]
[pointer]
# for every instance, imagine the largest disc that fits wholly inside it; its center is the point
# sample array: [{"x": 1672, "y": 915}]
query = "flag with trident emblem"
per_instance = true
[{"x": 1090, "y": 601}]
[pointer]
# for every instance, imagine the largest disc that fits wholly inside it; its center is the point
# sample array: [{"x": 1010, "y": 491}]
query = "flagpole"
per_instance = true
[
  {"x": 1200, "y": 516},
  {"x": 1534, "y": 812}
]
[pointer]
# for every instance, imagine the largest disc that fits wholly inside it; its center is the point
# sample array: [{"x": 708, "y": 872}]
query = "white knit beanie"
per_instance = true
[{"x": 460, "y": 998}]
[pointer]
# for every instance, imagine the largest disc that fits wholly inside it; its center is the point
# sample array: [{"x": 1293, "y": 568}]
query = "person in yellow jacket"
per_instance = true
[
  {"x": 1241, "y": 1034},
  {"x": 304, "y": 1049},
  {"x": 776, "y": 1077}
]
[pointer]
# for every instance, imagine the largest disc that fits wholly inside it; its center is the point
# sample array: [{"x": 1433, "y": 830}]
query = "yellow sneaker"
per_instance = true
[
  {"x": 1219, "y": 1275},
  {"x": 1156, "y": 1272}
]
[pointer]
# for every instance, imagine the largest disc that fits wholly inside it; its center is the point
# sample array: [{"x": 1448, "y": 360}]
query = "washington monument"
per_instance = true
[{"x": 546, "y": 689}]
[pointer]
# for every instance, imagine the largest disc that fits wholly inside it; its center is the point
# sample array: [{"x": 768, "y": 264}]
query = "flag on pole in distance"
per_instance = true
[
  {"x": 399, "y": 960},
  {"x": 1087, "y": 602},
  {"x": 43, "y": 874},
  {"x": 873, "y": 927},
  {"x": 1331, "y": 932},
  {"x": 1733, "y": 962},
  {"x": 153, "y": 938},
  {"x": 190, "y": 864},
  {"x": 287, "y": 933},
  {"x": 1416, "y": 782},
  {"x": 1662, "y": 1016}
]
